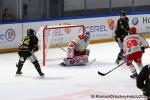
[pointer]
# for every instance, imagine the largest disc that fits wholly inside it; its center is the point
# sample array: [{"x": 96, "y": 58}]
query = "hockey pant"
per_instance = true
[
  {"x": 136, "y": 57},
  {"x": 76, "y": 61},
  {"x": 23, "y": 56}
]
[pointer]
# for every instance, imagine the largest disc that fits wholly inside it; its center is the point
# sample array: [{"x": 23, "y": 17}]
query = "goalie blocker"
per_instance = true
[{"x": 77, "y": 54}]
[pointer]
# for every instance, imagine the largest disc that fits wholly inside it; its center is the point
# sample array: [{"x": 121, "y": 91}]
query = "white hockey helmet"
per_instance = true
[{"x": 87, "y": 35}]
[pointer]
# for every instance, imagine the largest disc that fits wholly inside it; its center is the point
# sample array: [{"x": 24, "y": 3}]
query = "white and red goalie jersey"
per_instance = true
[
  {"x": 77, "y": 47},
  {"x": 77, "y": 52}
]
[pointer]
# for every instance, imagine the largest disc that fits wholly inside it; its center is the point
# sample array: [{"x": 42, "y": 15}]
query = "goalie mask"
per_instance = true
[
  {"x": 87, "y": 36},
  {"x": 30, "y": 32}
]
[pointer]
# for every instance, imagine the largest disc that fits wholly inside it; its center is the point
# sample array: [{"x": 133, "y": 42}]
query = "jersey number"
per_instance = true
[
  {"x": 131, "y": 43},
  {"x": 26, "y": 41}
]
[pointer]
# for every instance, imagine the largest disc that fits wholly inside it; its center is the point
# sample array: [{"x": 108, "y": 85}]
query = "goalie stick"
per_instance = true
[
  {"x": 103, "y": 74},
  {"x": 62, "y": 49},
  {"x": 91, "y": 61}
]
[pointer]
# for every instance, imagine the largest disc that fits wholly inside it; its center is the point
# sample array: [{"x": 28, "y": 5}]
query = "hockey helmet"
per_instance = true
[
  {"x": 87, "y": 35},
  {"x": 122, "y": 13},
  {"x": 30, "y": 32},
  {"x": 132, "y": 30}
]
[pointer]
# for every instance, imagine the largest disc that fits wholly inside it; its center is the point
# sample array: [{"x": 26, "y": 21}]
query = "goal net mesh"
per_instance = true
[{"x": 53, "y": 38}]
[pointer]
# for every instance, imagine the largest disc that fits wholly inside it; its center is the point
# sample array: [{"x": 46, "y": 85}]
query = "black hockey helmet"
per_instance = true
[
  {"x": 30, "y": 32},
  {"x": 122, "y": 13}
]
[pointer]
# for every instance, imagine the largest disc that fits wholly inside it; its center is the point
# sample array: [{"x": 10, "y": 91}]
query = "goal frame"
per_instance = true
[{"x": 54, "y": 27}]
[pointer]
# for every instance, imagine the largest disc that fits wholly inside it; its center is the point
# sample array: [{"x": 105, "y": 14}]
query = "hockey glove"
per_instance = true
[
  {"x": 36, "y": 48},
  {"x": 143, "y": 49}
]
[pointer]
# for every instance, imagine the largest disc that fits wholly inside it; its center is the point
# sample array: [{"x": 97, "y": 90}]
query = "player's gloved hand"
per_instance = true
[
  {"x": 36, "y": 48},
  {"x": 143, "y": 49}
]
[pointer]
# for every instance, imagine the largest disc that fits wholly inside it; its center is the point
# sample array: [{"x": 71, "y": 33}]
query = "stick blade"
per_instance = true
[
  {"x": 92, "y": 61},
  {"x": 102, "y": 74}
]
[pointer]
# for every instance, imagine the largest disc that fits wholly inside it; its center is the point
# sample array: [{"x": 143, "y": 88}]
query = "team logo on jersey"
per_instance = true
[
  {"x": 111, "y": 23},
  {"x": 10, "y": 35},
  {"x": 135, "y": 21}
]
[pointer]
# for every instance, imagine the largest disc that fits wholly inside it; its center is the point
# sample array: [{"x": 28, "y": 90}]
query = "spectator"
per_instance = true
[
  {"x": 25, "y": 11},
  {"x": 7, "y": 16}
]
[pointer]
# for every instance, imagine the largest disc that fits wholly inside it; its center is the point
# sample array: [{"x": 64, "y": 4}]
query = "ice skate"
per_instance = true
[
  {"x": 134, "y": 75},
  {"x": 18, "y": 73},
  {"x": 41, "y": 75},
  {"x": 117, "y": 61},
  {"x": 62, "y": 64}
]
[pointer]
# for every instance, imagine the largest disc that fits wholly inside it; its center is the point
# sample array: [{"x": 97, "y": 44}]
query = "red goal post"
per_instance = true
[{"x": 57, "y": 36}]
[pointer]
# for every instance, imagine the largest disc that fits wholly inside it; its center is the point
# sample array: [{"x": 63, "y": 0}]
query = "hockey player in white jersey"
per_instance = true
[
  {"x": 133, "y": 47},
  {"x": 77, "y": 52}
]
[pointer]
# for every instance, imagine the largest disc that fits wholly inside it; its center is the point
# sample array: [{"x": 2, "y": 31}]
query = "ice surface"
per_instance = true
[{"x": 70, "y": 83}]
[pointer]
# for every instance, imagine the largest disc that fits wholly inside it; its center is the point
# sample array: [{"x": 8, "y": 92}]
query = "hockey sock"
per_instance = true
[
  {"x": 140, "y": 66},
  {"x": 132, "y": 69},
  {"x": 19, "y": 66},
  {"x": 37, "y": 66},
  {"x": 120, "y": 57}
]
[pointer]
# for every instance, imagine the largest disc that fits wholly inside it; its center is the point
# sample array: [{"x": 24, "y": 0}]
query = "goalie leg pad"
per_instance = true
[
  {"x": 82, "y": 54},
  {"x": 82, "y": 60},
  {"x": 87, "y": 52}
]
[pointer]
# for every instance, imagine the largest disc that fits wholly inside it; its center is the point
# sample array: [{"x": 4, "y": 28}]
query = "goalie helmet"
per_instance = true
[
  {"x": 87, "y": 35},
  {"x": 30, "y": 32}
]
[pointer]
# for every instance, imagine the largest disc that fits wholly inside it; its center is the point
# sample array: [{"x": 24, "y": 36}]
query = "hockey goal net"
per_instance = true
[{"x": 52, "y": 37}]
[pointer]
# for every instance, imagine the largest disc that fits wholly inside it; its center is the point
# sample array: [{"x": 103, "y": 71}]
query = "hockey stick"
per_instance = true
[
  {"x": 63, "y": 49},
  {"x": 103, "y": 74}
]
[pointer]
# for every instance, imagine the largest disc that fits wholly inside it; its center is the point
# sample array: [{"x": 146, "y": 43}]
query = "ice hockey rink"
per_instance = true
[{"x": 70, "y": 83}]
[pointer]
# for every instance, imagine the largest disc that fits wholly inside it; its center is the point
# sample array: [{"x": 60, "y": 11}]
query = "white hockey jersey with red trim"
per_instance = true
[
  {"x": 79, "y": 44},
  {"x": 133, "y": 43}
]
